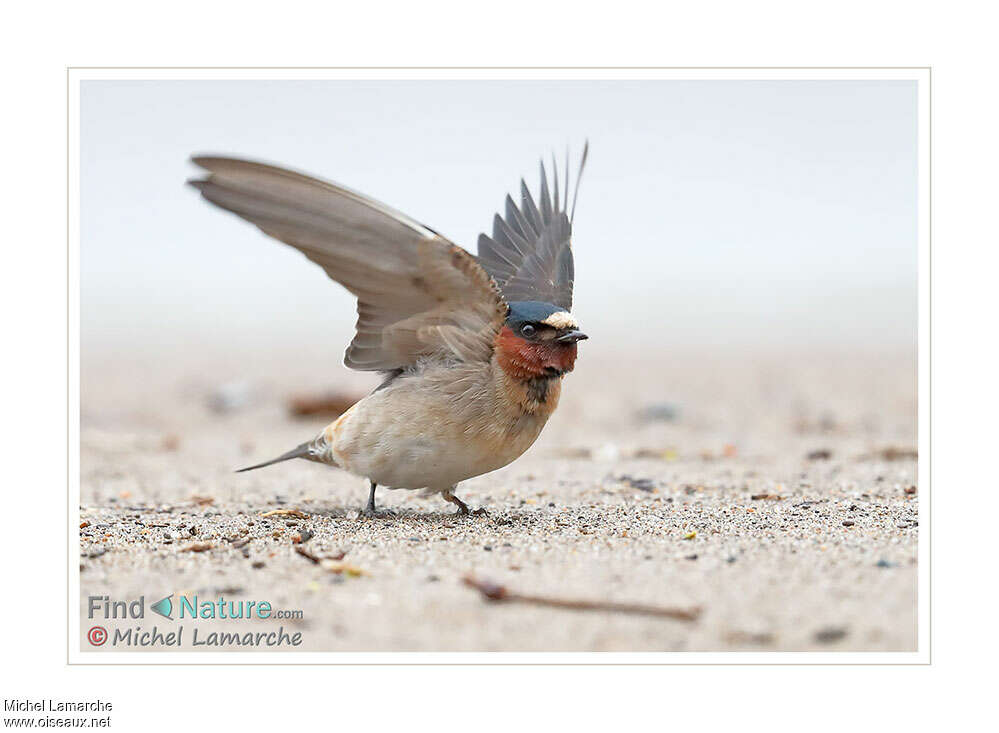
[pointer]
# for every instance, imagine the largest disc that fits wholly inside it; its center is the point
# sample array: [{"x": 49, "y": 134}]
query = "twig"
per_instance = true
[
  {"x": 324, "y": 405},
  {"x": 499, "y": 593},
  {"x": 306, "y": 554},
  {"x": 315, "y": 558}
]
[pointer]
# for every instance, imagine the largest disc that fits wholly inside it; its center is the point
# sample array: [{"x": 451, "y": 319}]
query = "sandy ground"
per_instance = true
[{"x": 641, "y": 490}]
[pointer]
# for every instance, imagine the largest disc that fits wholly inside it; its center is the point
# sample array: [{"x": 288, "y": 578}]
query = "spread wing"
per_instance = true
[
  {"x": 418, "y": 295},
  {"x": 530, "y": 254}
]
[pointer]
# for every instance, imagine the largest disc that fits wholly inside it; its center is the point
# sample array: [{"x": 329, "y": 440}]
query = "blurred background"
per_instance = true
[
  {"x": 768, "y": 213},
  {"x": 739, "y": 432}
]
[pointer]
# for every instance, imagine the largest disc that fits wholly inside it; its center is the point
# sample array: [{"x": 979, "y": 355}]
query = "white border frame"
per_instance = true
[{"x": 77, "y": 657}]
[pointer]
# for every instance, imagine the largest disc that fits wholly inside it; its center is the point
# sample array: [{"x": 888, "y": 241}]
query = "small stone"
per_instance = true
[
  {"x": 822, "y": 454},
  {"x": 830, "y": 635},
  {"x": 230, "y": 396},
  {"x": 198, "y": 547},
  {"x": 642, "y": 484},
  {"x": 607, "y": 452},
  {"x": 659, "y": 412}
]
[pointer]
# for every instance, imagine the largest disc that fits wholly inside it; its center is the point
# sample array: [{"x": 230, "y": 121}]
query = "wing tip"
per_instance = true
[{"x": 207, "y": 160}]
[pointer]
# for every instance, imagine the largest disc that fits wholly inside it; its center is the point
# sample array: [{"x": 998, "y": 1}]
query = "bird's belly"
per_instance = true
[
  {"x": 418, "y": 463},
  {"x": 426, "y": 448}
]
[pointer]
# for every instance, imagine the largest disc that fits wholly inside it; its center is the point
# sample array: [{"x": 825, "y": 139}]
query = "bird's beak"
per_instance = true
[{"x": 572, "y": 337}]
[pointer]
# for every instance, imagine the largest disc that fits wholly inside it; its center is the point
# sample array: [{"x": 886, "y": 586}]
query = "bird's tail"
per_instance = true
[{"x": 302, "y": 451}]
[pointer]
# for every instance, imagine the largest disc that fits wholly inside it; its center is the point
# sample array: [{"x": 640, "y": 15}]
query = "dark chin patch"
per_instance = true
[{"x": 537, "y": 389}]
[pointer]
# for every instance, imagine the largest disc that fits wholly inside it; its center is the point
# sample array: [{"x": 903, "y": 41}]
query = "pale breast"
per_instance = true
[{"x": 435, "y": 429}]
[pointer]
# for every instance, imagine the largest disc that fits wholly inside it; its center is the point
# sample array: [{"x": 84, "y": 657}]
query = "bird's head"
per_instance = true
[{"x": 537, "y": 340}]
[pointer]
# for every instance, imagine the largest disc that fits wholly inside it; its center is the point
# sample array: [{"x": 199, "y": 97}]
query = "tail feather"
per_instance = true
[{"x": 302, "y": 451}]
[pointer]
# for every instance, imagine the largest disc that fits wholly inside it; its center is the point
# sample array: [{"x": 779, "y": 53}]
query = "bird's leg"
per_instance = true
[
  {"x": 462, "y": 506},
  {"x": 369, "y": 510}
]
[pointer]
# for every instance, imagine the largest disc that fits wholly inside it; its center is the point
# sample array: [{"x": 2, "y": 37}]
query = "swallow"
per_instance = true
[{"x": 473, "y": 349}]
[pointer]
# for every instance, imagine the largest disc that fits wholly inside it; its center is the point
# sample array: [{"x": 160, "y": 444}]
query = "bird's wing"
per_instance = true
[
  {"x": 418, "y": 295},
  {"x": 529, "y": 254}
]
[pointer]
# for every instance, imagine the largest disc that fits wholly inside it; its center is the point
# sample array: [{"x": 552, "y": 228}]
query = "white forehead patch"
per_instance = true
[{"x": 561, "y": 319}]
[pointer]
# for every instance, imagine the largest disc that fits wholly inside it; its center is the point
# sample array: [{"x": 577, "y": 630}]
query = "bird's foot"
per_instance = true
[{"x": 463, "y": 507}]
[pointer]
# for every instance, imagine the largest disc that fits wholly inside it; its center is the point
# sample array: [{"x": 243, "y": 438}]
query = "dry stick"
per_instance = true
[
  {"x": 315, "y": 558},
  {"x": 495, "y": 592},
  {"x": 306, "y": 554}
]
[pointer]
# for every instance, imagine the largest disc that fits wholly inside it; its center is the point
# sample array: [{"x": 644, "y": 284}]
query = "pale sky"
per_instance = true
[{"x": 778, "y": 212}]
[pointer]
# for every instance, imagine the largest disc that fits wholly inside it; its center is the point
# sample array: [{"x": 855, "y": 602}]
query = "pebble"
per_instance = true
[
  {"x": 830, "y": 635},
  {"x": 659, "y": 412}
]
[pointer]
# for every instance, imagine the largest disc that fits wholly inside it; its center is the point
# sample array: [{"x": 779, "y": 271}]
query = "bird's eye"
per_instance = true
[{"x": 527, "y": 330}]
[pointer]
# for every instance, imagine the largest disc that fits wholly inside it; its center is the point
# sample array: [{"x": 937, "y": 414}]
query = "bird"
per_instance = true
[{"x": 473, "y": 349}]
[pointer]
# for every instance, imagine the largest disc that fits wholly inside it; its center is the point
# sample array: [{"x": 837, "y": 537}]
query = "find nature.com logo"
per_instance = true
[{"x": 189, "y": 608}]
